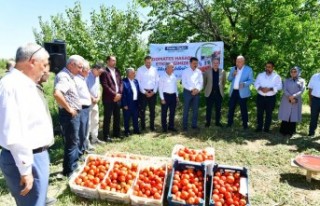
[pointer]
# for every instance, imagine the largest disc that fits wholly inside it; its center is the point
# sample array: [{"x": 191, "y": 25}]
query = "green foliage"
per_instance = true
[
  {"x": 107, "y": 32},
  {"x": 284, "y": 31}
]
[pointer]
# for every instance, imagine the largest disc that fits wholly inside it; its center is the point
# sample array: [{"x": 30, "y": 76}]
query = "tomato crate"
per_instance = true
[
  {"x": 228, "y": 185},
  {"x": 149, "y": 187},
  {"x": 85, "y": 180},
  {"x": 187, "y": 184},
  {"x": 194, "y": 156},
  {"x": 118, "y": 183}
]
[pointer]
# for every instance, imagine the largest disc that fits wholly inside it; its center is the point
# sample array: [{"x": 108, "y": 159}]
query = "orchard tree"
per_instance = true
[
  {"x": 107, "y": 32},
  {"x": 285, "y": 31}
]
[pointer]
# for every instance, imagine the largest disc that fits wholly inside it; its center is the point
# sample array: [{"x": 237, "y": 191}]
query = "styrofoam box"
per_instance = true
[{"x": 136, "y": 200}]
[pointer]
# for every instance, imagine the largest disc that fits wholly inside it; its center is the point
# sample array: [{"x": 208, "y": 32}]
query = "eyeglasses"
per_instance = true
[{"x": 34, "y": 53}]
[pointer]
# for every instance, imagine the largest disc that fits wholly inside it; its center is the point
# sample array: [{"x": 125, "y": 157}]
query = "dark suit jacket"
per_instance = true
[
  {"x": 127, "y": 95},
  {"x": 109, "y": 86}
]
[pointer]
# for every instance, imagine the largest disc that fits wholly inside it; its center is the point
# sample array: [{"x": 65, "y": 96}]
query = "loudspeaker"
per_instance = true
[{"x": 58, "y": 55}]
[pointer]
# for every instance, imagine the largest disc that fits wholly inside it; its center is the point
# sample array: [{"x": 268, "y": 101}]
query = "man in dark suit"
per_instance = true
[
  {"x": 129, "y": 102},
  {"x": 112, "y": 87}
]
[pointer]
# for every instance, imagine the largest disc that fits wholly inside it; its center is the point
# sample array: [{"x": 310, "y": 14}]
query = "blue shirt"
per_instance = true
[{"x": 93, "y": 84}]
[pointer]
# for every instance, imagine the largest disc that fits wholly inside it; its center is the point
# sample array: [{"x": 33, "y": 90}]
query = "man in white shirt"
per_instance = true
[
  {"x": 314, "y": 101},
  {"x": 129, "y": 102},
  {"x": 93, "y": 83},
  {"x": 267, "y": 84},
  {"x": 169, "y": 96},
  {"x": 25, "y": 128},
  {"x": 85, "y": 100},
  {"x": 148, "y": 80},
  {"x": 192, "y": 82}
]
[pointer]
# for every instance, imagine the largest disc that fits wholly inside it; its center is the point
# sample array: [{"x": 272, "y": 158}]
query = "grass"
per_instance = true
[{"x": 272, "y": 180}]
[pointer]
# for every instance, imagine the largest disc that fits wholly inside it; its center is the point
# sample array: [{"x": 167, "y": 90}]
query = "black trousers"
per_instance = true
[
  {"x": 288, "y": 128},
  {"x": 315, "y": 110},
  {"x": 171, "y": 103},
  {"x": 215, "y": 99},
  {"x": 234, "y": 99},
  {"x": 265, "y": 104},
  {"x": 111, "y": 109},
  {"x": 151, "y": 102}
]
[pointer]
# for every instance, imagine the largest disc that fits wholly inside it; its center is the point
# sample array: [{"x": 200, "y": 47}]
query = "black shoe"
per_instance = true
[
  {"x": 207, "y": 125},
  {"x": 173, "y": 129},
  {"x": 219, "y": 125},
  {"x": 311, "y": 134},
  {"x": 138, "y": 132},
  {"x": 258, "y": 130},
  {"x": 196, "y": 128},
  {"x": 266, "y": 130},
  {"x": 165, "y": 130},
  {"x": 50, "y": 201},
  {"x": 152, "y": 129},
  {"x": 107, "y": 139},
  {"x": 127, "y": 134}
]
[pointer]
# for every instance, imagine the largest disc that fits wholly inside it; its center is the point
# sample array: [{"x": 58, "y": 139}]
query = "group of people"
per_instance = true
[{"x": 26, "y": 129}]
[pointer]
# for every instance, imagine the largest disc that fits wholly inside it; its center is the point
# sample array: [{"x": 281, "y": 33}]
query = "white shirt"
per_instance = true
[
  {"x": 93, "y": 84},
  {"x": 113, "y": 74},
  {"x": 83, "y": 90},
  {"x": 237, "y": 78},
  {"x": 192, "y": 79},
  {"x": 270, "y": 81},
  {"x": 168, "y": 84},
  {"x": 134, "y": 89},
  {"x": 314, "y": 84},
  {"x": 24, "y": 123},
  {"x": 147, "y": 78}
]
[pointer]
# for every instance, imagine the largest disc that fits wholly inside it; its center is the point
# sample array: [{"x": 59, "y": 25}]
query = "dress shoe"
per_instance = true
[
  {"x": 152, "y": 129},
  {"x": 137, "y": 132},
  {"x": 165, "y": 130},
  {"x": 311, "y": 134},
  {"x": 50, "y": 201},
  {"x": 127, "y": 134},
  {"x": 219, "y": 125},
  {"x": 173, "y": 129},
  {"x": 207, "y": 125},
  {"x": 107, "y": 139},
  {"x": 258, "y": 130}
]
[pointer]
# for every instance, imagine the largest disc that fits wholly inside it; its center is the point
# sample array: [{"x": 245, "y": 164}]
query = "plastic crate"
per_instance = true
[
  {"x": 180, "y": 166},
  {"x": 117, "y": 154},
  {"x": 117, "y": 196},
  {"x": 208, "y": 163},
  {"x": 136, "y": 200},
  {"x": 244, "y": 180},
  {"x": 89, "y": 193}
]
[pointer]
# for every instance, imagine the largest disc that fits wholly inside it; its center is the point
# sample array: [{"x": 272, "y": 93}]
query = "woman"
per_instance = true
[{"x": 290, "y": 111}]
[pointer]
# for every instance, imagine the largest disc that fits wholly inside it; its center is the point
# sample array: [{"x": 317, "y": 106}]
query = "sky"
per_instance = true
[{"x": 19, "y": 17}]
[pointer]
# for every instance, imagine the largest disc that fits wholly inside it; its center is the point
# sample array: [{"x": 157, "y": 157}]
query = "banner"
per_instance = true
[{"x": 179, "y": 54}]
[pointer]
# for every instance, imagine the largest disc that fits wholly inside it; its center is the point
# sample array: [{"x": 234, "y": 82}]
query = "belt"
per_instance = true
[
  {"x": 85, "y": 106},
  {"x": 34, "y": 151},
  {"x": 315, "y": 97},
  {"x": 169, "y": 93},
  {"x": 235, "y": 89}
]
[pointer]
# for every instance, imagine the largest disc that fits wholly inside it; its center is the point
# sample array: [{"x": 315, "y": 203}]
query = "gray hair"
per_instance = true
[
  {"x": 86, "y": 65},
  {"x": 241, "y": 57},
  {"x": 129, "y": 70},
  {"x": 169, "y": 64},
  {"x": 31, "y": 51},
  {"x": 76, "y": 59}
]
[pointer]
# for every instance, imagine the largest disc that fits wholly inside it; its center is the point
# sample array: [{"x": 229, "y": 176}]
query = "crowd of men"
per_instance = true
[{"x": 26, "y": 129}]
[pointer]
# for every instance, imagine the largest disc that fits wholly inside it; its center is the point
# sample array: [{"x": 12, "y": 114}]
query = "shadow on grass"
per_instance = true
[{"x": 299, "y": 181}]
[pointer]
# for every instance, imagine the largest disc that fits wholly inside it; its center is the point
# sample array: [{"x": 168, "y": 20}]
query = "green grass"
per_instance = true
[{"x": 272, "y": 180}]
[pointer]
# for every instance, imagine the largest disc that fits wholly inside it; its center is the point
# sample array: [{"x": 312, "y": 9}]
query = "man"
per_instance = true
[
  {"x": 169, "y": 96},
  {"x": 148, "y": 79},
  {"x": 241, "y": 77},
  {"x": 213, "y": 82},
  {"x": 129, "y": 102},
  {"x": 93, "y": 84},
  {"x": 192, "y": 82},
  {"x": 112, "y": 87},
  {"x": 67, "y": 97},
  {"x": 85, "y": 100},
  {"x": 267, "y": 84},
  {"x": 25, "y": 128},
  {"x": 314, "y": 101}
]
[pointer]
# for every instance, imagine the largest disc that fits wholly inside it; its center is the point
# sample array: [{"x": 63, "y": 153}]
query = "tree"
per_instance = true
[
  {"x": 107, "y": 32},
  {"x": 285, "y": 31}
]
